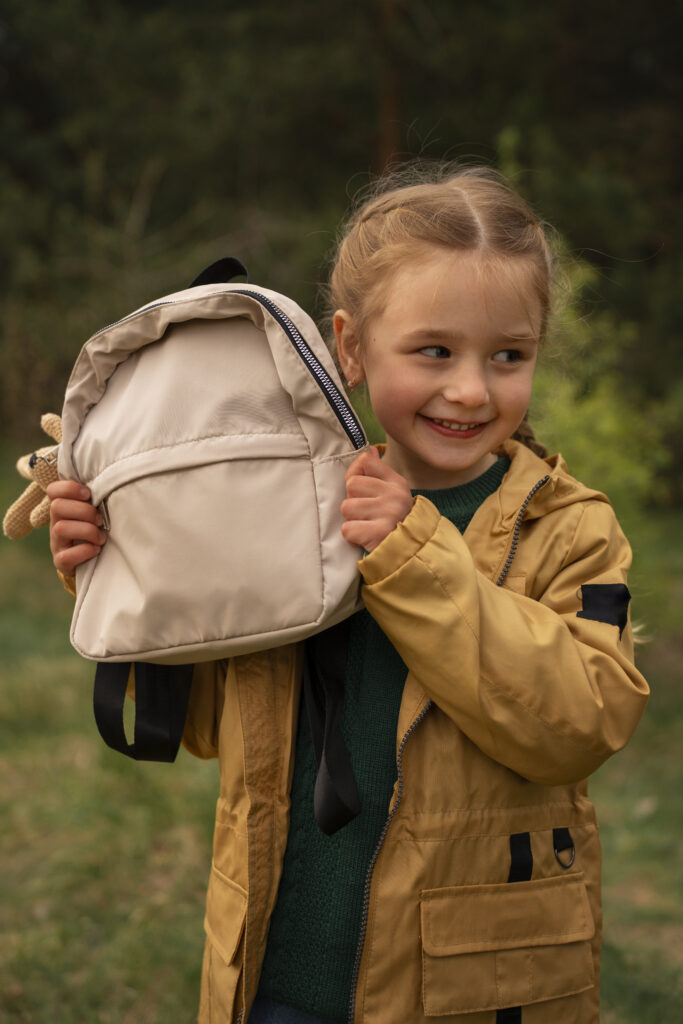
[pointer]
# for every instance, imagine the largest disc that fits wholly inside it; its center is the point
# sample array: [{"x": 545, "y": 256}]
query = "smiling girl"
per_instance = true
[{"x": 489, "y": 674}]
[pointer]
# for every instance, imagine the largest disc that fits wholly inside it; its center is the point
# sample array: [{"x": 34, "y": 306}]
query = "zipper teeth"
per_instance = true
[
  {"x": 339, "y": 404},
  {"x": 138, "y": 312},
  {"x": 380, "y": 842},
  {"x": 518, "y": 526},
  {"x": 399, "y": 794},
  {"x": 334, "y": 396}
]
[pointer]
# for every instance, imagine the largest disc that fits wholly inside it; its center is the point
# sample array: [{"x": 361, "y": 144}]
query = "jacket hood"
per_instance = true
[{"x": 526, "y": 470}]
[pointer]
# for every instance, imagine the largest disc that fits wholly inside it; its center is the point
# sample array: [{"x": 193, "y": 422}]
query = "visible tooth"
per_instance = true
[{"x": 455, "y": 426}]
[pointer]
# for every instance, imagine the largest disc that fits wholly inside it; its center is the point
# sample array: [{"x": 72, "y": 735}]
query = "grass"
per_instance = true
[{"x": 104, "y": 862}]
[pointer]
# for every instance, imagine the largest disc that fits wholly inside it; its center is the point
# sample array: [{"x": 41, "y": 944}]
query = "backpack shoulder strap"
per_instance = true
[
  {"x": 162, "y": 694},
  {"x": 222, "y": 271}
]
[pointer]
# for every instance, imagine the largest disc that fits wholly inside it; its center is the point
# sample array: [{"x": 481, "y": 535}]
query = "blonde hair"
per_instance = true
[{"x": 471, "y": 209}]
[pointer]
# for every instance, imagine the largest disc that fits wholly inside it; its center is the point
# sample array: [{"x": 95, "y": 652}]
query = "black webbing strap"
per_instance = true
[
  {"x": 511, "y": 1015},
  {"x": 521, "y": 857},
  {"x": 562, "y": 841},
  {"x": 521, "y": 868},
  {"x": 221, "y": 272},
  {"x": 335, "y": 796},
  {"x": 162, "y": 693}
]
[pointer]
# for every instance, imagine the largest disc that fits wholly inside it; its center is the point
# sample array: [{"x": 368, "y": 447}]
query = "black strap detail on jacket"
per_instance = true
[
  {"x": 521, "y": 858},
  {"x": 605, "y": 602},
  {"x": 562, "y": 840},
  {"x": 335, "y": 796},
  {"x": 221, "y": 272},
  {"x": 521, "y": 868},
  {"x": 162, "y": 693},
  {"x": 510, "y": 1015}
]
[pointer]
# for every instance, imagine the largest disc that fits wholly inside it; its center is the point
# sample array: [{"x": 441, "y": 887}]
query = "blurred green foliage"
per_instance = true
[
  {"x": 142, "y": 140},
  {"x": 612, "y": 438}
]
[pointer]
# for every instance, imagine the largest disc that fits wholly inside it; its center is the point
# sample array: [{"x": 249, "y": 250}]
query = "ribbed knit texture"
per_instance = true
[{"x": 315, "y": 925}]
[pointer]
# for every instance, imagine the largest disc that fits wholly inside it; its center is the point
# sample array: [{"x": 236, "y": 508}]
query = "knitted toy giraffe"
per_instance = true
[{"x": 32, "y": 508}]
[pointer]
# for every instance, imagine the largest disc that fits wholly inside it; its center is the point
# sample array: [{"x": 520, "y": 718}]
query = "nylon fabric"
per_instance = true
[
  {"x": 219, "y": 457},
  {"x": 524, "y": 699}
]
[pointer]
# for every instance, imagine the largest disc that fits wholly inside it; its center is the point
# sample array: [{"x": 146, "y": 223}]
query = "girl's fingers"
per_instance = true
[
  {"x": 67, "y": 559},
  {"x": 67, "y": 489},
  {"x": 368, "y": 463},
  {"x": 66, "y": 531},
  {"x": 75, "y": 536},
  {"x": 67, "y": 508},
  {"x": 364, "y": 486},
  {"x": 360, "y": 508},
  {"x": 365, "y": 535}
]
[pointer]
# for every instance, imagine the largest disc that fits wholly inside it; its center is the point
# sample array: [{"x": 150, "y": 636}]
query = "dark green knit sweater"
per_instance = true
[{"x": 315, "y": 926}]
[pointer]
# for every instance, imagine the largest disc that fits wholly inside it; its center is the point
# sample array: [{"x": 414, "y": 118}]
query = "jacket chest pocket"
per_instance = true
[{"x": 488, "y": 947}]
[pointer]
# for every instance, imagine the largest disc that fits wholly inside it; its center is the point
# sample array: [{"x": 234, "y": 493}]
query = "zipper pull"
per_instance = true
[{"x": 104, "y": 512}]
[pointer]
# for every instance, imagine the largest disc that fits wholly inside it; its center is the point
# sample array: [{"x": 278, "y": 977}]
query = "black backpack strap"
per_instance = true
[
  {"x": 335, "y": 797},
  {"x": 162, "y": 694},
  {"x": 222, "y": 271}
]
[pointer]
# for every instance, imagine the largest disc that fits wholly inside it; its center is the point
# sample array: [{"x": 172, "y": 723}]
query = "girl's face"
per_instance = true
[{"x": 449, "y": 363}]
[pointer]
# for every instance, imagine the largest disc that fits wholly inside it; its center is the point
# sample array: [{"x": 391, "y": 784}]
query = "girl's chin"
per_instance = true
[{"x": 436, "y": 475}]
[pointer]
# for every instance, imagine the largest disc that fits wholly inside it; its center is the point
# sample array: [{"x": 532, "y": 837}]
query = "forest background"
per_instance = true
[{"x": 142, "y": 140}]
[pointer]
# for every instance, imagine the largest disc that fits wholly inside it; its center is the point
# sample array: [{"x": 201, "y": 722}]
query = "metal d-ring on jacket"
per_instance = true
[{"x": 483, "y": 897}]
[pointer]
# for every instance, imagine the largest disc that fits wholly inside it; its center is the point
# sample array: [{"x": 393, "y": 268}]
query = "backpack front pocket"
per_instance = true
[
  {"x": 200, "y": 556},
  {"x": 489, "y": 947}
]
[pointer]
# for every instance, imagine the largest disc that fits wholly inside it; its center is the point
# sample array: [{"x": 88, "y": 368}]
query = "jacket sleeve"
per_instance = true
[
  {"x": 541, "y": 689},
  {"x": 207, "y": 697}
]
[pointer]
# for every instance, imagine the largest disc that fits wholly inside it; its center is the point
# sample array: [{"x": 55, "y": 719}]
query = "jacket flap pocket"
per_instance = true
[
  {"x": 488, "y": 947},
  {"x": 226, "y": 911},
  {"x": 473, "y": 919}
]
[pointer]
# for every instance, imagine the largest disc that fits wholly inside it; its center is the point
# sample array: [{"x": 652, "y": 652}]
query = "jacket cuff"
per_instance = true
[{"x": 404, "y": 541}]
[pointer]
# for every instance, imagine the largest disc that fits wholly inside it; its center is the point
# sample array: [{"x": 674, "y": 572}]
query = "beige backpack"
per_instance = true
[{"x": 213, "y": 431}]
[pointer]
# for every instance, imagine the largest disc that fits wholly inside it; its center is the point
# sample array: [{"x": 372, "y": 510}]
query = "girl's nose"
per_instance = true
[{"x": 467, "y": 386}]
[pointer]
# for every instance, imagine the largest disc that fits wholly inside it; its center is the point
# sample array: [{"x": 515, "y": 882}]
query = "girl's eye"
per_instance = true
[
  {"x": 435, "y": 351},
  {"x": 508, "y": 355}
]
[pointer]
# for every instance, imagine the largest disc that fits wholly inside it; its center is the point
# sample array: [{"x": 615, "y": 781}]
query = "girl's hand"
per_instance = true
[
  {"x": 377, "y": 499},
  {"x": 74, "y": 526}
]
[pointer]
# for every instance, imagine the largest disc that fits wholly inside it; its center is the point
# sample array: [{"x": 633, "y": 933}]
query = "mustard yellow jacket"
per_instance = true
[{"x": 484, "y": 891}]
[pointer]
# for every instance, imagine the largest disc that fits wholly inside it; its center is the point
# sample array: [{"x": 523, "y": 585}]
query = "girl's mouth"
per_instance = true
[{"x": 451, "y": 428}]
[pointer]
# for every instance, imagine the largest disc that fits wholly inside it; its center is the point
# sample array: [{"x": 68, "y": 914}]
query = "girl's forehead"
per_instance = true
[{"x": 446, "y": 286}]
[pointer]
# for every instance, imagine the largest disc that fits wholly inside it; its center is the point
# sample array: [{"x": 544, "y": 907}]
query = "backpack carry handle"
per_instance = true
[
  {"x": 221, "y": 272},
  {"x": 162, "y": 694}
]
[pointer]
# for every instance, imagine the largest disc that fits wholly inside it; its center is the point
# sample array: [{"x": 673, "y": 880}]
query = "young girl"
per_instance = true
[{"x": 490, "y": 673}]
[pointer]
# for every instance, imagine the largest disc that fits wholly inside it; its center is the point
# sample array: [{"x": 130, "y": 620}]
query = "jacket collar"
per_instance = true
[{"x": 526, "y": 470}]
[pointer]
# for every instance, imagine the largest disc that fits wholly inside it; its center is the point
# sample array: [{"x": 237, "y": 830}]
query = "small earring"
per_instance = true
[{"x": 351, "y": 382}]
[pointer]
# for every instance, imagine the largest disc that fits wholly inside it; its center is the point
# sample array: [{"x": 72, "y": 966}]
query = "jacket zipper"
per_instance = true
[
  {"x": 341, "y": 408},
  {"x": 368, "y": 878},
  {"x": 516, "y": 530},
  {"x": 373, "y": 861}
]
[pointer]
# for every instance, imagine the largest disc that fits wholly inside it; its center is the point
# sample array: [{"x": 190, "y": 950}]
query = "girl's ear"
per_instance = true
[{"x": 348, "y": 347}]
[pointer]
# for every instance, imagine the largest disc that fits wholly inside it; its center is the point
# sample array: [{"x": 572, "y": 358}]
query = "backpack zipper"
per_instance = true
[
  {"x": 373, "y": 861},
  {"x": 338, "y": 403},
  {"x": 336, "y": 399}
]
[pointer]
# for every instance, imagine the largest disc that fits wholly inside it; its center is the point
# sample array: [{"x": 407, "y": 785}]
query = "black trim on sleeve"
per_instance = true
[{"x": 605, "y": 602}]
